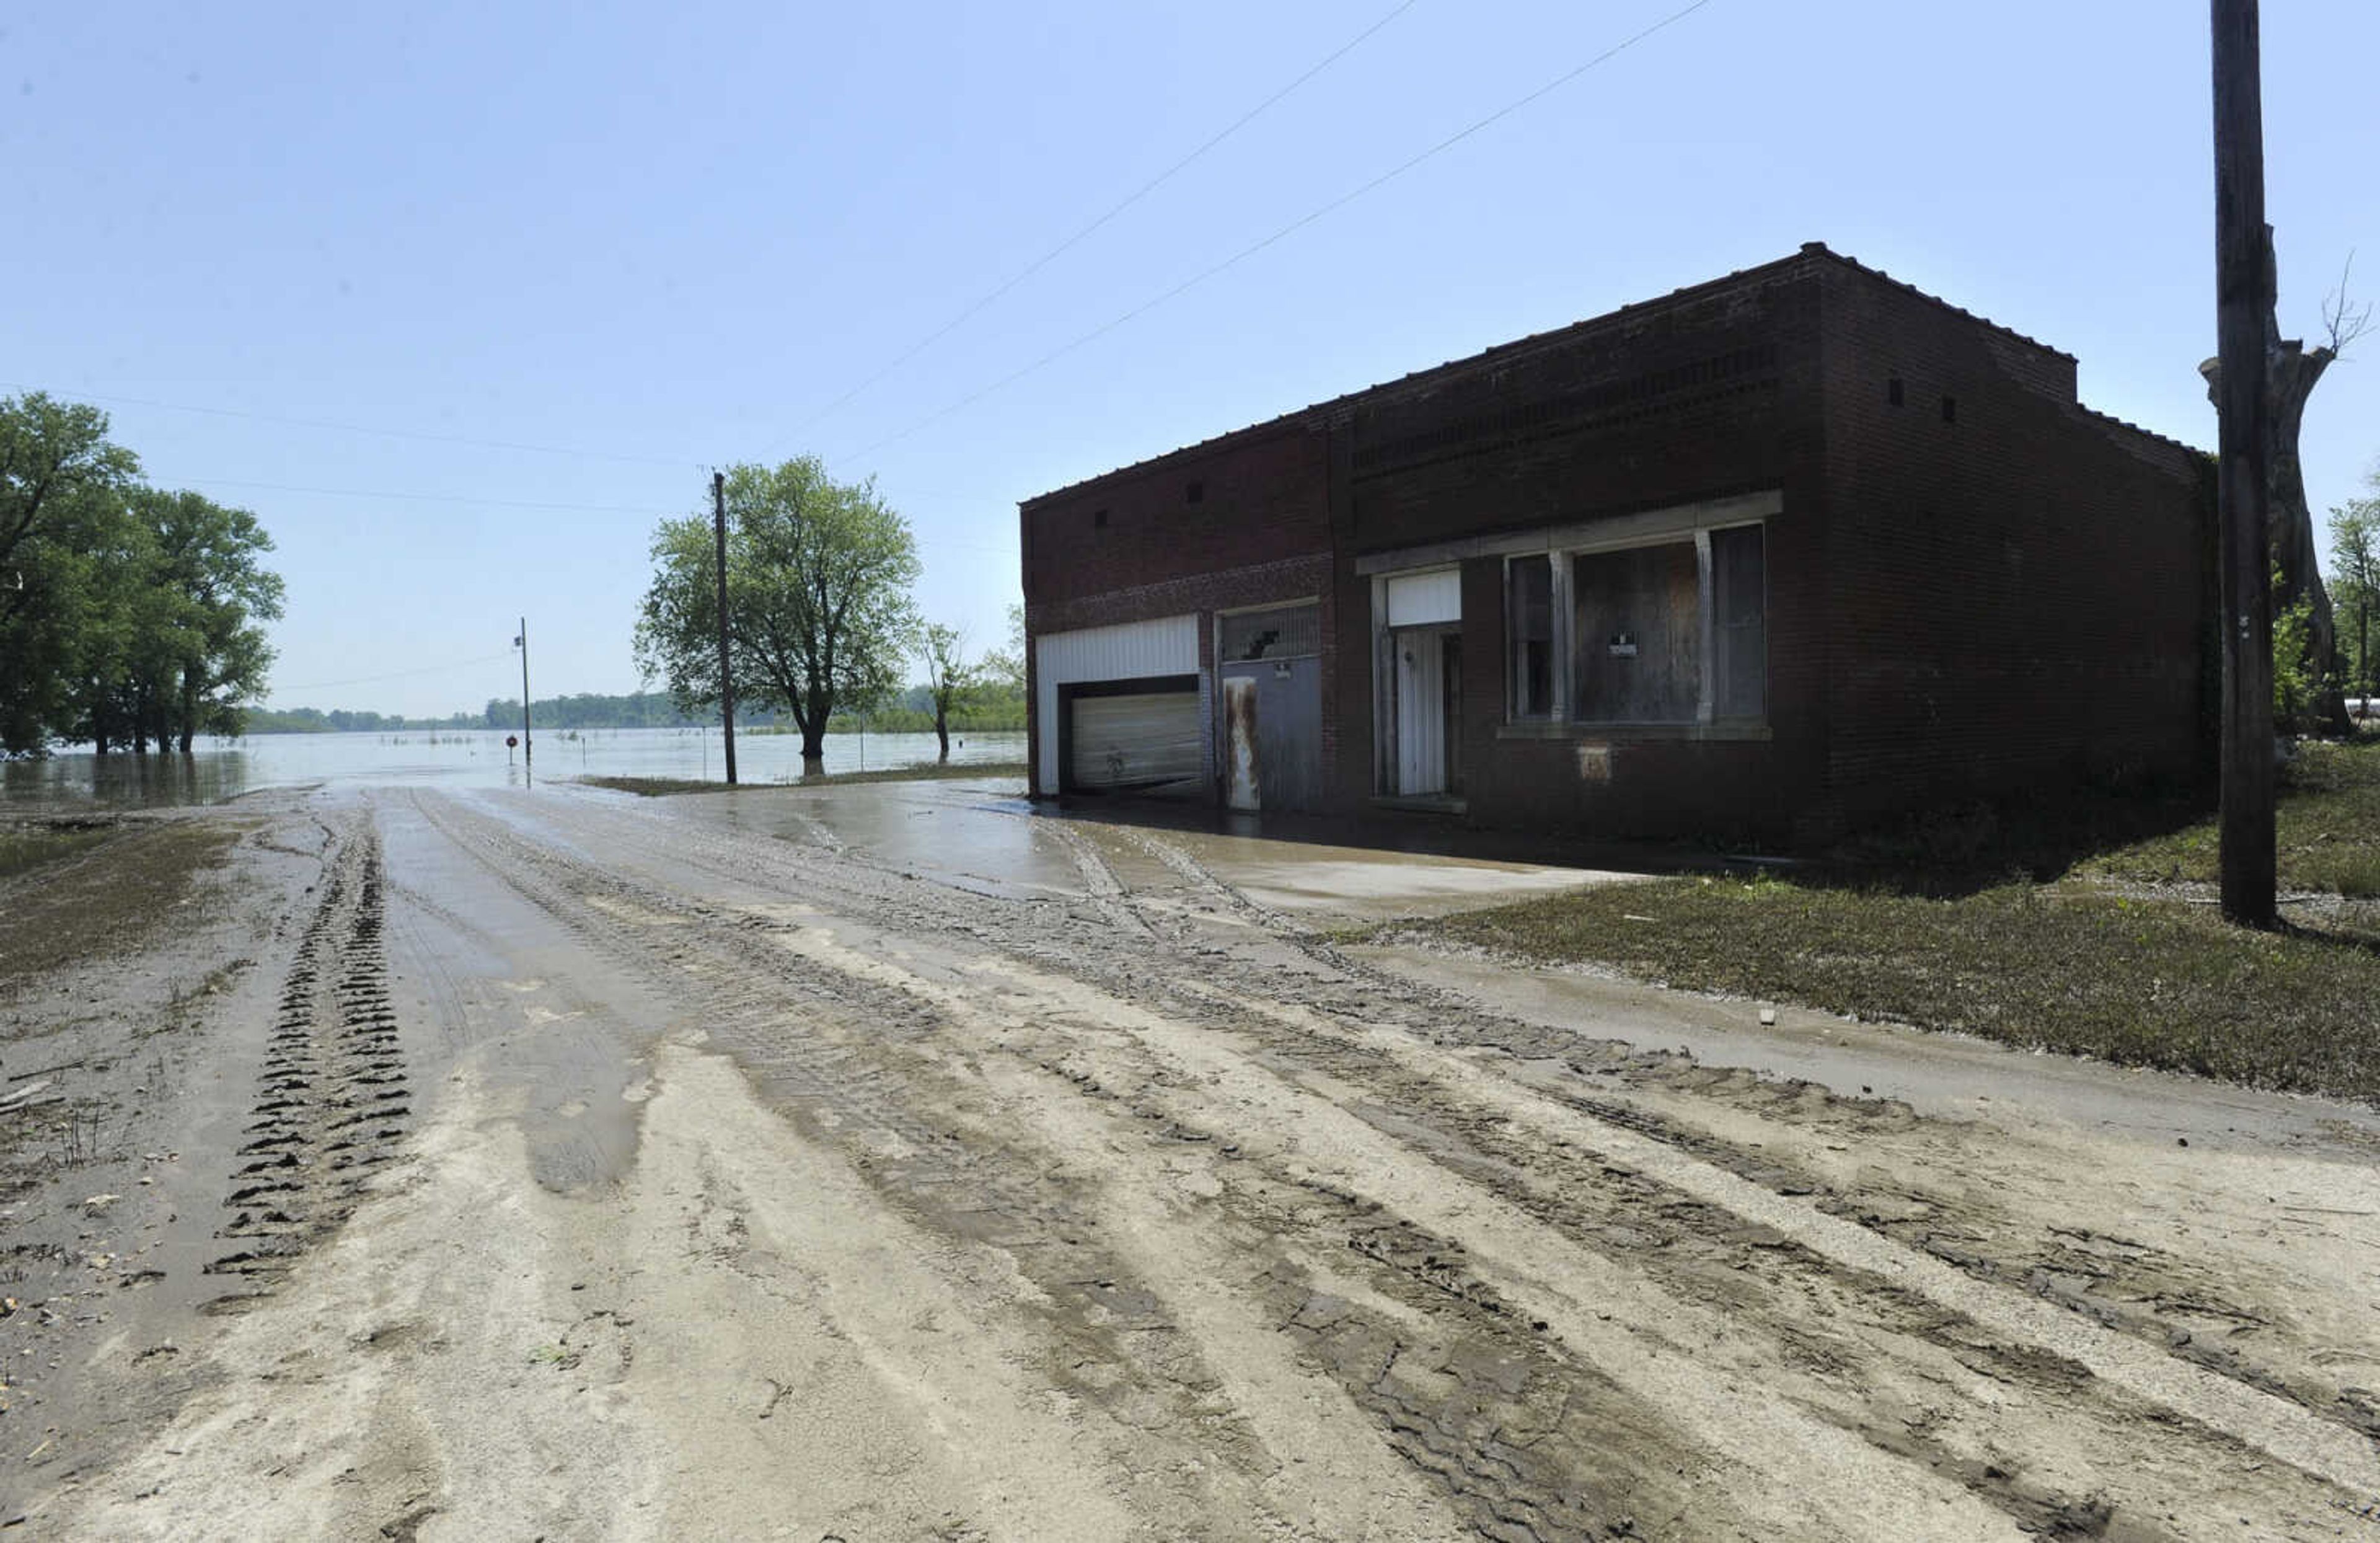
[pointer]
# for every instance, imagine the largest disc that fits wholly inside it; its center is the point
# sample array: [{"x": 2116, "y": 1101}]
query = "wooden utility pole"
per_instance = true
[
  {"x": 2244, "y": 297},
  {"x": 726, "y": 685},
  {"x": 529, "y": 775}
]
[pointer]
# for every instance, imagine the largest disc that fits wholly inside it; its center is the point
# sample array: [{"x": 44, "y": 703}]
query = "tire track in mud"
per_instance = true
[
  {"x": 1111, "y": 1345},
  {"x": 2101, "y": 1278},
  {"x": 1698, "y": 1246},
  {"x": 1593, "y": 1459},
  {"x": 2097, "y": 1276},
  {"x": 1527, "y": 1439},
  {"x": 333, "y": 1102}
]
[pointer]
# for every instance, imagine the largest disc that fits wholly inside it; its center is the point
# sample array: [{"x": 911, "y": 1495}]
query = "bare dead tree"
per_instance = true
[
  {"x": 2342, "y": 320},
  {"x": 2293, "y": 369}
]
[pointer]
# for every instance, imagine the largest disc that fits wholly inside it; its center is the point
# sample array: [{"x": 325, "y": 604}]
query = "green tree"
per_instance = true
[
  {"x": 818, "y": 613},
  {"x": 1006, "y": 666},
  {"x": 62, "y": 515},
  {"x": 949, "y": 676},
  {"x": 2355, "y": 564},
  {"x": 2296, "y": 683},
  {"x": 213, "y": 590}
]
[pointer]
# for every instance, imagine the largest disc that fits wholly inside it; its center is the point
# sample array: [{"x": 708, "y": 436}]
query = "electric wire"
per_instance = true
[
  {"x": 1039, "y": 364},
  {"x": 476, "y": 500},
  {"x": 395, "y": 674},
  {"x": 1078, "y": 236},
  {"x": 423, "y": 497},
  {"x": 358, "y": 427},
  {"x": 1285, "y": 231}
]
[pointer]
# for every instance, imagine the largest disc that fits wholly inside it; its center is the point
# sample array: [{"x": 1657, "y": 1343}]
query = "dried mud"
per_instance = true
[{"x": 601, "y": 1168}]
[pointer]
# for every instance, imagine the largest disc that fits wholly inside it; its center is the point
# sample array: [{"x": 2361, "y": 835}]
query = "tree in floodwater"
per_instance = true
[
  {"x": 128, "y": 614},
  {"x": 62, "y": 483},
  {"x": 949, "y": 678},
  {"x": 818, "y": 613},
  {"x": 208, "y": 564},
  {"x": 176, "y": 648}
]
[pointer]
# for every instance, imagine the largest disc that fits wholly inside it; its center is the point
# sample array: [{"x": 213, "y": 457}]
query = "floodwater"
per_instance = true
[{"x": 221, "y": 770}]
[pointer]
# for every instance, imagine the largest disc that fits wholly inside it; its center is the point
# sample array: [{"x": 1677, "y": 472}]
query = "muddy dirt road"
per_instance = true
[{"x": 893, "y": 1163}]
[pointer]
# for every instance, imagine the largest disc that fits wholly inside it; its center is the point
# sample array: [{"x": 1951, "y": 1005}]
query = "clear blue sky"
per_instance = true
[{"x": 675, "y": 235}]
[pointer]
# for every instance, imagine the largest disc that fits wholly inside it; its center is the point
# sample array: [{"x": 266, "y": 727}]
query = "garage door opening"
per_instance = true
[{"x": 1136, "y": 737}]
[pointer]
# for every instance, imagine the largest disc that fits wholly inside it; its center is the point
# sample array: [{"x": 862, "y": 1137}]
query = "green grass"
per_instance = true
[
  {"x": 130, "y": 888},
  {"x": 657, "y": 787},
  {"x": 2151, "y": 983},
  {"x": 2327, "y": 835},
  {"x": 2031, "y": 925},
  {"x": 23, "y": 850}
]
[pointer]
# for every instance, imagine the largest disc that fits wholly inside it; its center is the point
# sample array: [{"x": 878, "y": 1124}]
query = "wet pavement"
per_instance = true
[{"x": 981, "y": 834}]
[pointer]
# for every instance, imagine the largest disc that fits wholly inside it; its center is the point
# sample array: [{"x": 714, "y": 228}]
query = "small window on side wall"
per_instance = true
[{"x": 1529, "y": 608}]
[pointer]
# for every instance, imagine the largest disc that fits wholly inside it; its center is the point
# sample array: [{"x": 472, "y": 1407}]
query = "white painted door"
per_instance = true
[{"x": 1421, "y": 713}]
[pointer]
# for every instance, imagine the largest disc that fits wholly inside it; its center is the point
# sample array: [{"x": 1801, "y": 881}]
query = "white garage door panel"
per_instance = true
[
  {"x": 1168, "y": 645},
  {"x": 1163, "y": 646},
  {"x": 1140, "y": 740}
]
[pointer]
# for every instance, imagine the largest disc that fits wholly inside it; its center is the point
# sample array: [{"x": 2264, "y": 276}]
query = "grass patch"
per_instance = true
[
  {"x": 2326, "y": 829},
  {"x": 657, "y": 787},
  {"x": 109, "y": 904},
  {"x": 2147, "y": 983},
  {"x": 24, "y": 849}
]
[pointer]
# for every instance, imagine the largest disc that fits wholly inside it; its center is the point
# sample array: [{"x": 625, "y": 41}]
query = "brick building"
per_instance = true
[{"x": 1773, "y": 556}]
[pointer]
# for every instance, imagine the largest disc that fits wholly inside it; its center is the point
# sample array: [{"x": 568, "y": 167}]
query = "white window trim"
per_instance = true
[
  {"x": 1650, "y": 527},
  {"x": 1557, "y": 678}
]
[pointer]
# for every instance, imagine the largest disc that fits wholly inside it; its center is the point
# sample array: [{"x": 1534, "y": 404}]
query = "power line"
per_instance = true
[
  {"x": 358, "y": 427},
  {"x": 424, "y": 497},
  {"x": 1290, "y": 229},
  {"x": 1126, "y": 203},
  {"x": 502, "y": 504},
  {"x": 395, "y": 675}
]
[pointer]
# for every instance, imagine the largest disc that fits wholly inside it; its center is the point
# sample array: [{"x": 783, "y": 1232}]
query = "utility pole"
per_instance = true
[
  {"x": 726, "y": 686},
  {"x": 2243, "y": 290},
  {"x": 528, "y": 777}
]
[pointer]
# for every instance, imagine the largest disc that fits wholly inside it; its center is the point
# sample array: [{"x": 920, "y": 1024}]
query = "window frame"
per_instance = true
[
  {"x": 1562, "y": 558},
  {"x": 1557, "y": 662}
]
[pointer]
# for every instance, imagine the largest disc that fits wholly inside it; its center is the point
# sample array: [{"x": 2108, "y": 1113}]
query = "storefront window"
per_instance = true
[
  {"x": 1639, "y": 635},
  {"x": 1530, "y": 598},
  {"x": 1675, "y": 632}
]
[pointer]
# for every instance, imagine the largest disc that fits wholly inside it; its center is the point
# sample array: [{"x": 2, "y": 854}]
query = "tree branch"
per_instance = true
[{"x": 2343, "y": 322}]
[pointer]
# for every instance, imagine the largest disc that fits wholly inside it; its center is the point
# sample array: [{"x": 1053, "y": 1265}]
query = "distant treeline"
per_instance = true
[
  {"x": 911, "y": 712},
  {"x": 983, "y": 710},
  {"x": 588, "y": 710}
]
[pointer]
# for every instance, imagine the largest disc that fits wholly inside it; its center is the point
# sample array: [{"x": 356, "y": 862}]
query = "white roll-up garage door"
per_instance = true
[
  {"x": 1156, "y": 657},
  {"x": 1143, "y": 739}
]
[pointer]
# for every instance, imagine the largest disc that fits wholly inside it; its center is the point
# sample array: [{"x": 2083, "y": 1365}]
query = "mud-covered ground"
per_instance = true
[{"x": 894, "y": 1162}]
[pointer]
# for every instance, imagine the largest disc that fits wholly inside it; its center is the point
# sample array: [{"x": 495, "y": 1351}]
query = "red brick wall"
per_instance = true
[
  {"x": 1264, "y": 499},
  {"x": 1990, "y": 606},
  {"x": 1258, "y": 534},
  {"x": 2016, "y": 594},
  {"x": 1708, "y": 395}
]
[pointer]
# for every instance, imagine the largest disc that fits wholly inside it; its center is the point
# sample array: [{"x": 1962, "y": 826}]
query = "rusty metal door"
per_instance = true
[{"x": 1269, "y": 670}]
